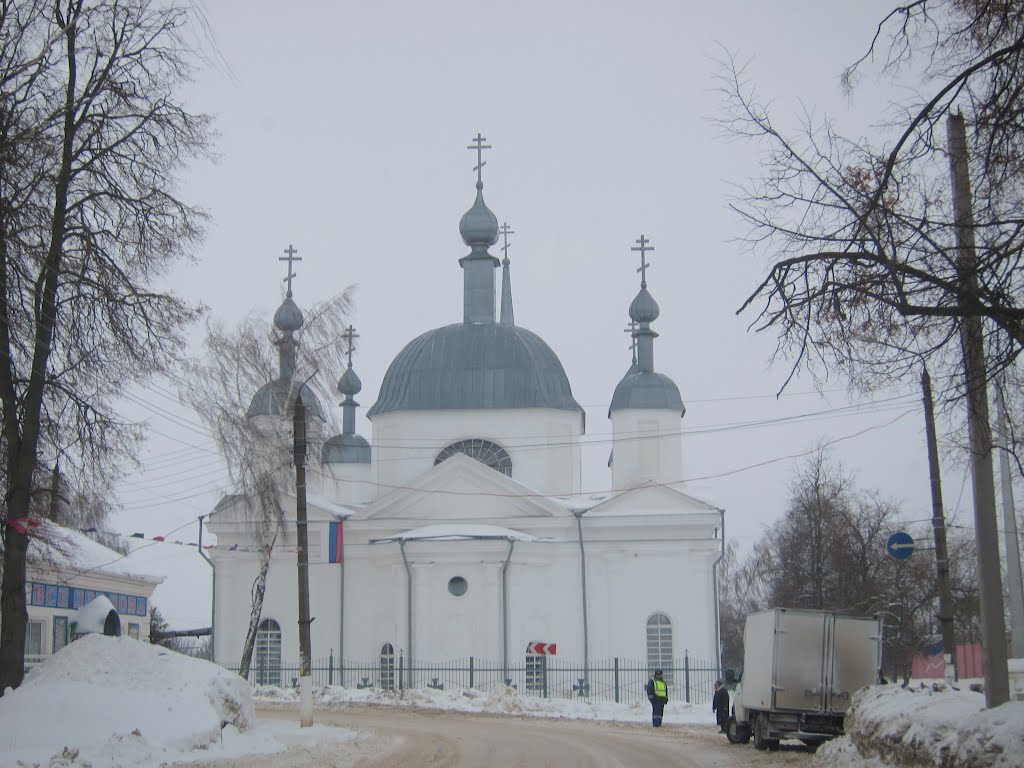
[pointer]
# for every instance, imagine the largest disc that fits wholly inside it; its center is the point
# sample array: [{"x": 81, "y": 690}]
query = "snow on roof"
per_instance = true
[
  {"x": 453, "y": 532},
  {"x": 72, "y": 553}
]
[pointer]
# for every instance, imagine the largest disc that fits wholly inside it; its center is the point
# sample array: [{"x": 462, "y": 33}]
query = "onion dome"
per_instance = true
[
  {"x": 349, "y": 384},
  {"x": 288, "y": 317},
  {"x": 479, "y": 226},
  {"x": 644, "y": 308}
]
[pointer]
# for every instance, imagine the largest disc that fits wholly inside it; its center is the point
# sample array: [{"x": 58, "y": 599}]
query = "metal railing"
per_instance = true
[{"x": 616, "y": 679}]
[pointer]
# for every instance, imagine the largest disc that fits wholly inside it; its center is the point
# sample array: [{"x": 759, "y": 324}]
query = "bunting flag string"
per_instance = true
[{"x": 22, "y": 525}]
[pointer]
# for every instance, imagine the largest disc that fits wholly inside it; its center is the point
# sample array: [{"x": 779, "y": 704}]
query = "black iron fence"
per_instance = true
[{"x": 616, "y": 679}]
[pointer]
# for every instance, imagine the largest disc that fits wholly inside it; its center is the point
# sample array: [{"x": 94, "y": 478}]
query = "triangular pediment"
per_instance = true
[
  {"x": 461, "y": 488},
  {"x": 653, "y": 499}
]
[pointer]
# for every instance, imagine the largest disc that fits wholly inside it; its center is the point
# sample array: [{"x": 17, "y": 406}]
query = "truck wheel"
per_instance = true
[
  {"x": 761, "y": 738},
  {"x": 736, "y": 733}
]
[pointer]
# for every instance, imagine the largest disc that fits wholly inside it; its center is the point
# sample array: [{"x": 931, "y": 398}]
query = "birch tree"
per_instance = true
[{"x": 235, "y": 364}]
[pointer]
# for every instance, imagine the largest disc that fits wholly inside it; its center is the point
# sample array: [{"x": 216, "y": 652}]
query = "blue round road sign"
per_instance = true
[{"x": 900, "y": 545}]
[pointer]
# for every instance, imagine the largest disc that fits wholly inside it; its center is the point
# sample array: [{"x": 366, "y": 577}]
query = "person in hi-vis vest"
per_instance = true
[{"x": 657, "y": 692}]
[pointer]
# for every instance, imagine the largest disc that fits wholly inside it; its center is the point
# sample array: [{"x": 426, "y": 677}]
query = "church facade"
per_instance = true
[{"x": 460, "y": 530}]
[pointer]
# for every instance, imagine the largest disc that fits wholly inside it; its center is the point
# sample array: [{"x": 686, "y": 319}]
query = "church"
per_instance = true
[{"x": 460, "y": 530}]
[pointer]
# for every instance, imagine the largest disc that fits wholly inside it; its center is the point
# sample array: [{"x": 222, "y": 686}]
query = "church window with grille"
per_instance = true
[
  {"x": 659, "y": 644},
  {"x": 268, "y": 653},
  {"x": 484, "y": 451}
]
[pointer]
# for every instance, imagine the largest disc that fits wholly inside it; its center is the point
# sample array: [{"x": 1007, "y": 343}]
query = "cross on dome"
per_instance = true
[
  {"x": 631, "y": 330},
  {"x": 644, "y": 247},
  {"x": 479, "y": 146},
  {"x": 505, "y": 230},
  {"x": 290, "y": 257},
  {"x": 349, "y": 337}
]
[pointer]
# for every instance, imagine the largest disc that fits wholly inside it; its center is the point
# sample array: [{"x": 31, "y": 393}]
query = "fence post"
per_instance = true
[
  {"x": 330, "y": 667},
  {"x": 616, "y": 679},
  {"x": 401, "y": 670},
  {"x": 686, "y": 672},
  {"x": 470, "y": 671}
]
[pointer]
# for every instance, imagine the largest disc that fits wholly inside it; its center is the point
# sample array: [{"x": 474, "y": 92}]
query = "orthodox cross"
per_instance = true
[
  {"x": 505, "y": 231},
  {"x": 349, "y": 337},
  {"x": 290, "y": 257},
  {"x": 645, "y": 246},
  {"x": 632, "y": 331},
  {"x": 479, "y": 147}
]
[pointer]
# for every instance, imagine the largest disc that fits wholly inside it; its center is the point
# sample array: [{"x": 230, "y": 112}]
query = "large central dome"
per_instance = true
[{"x": 474, "y": 366}]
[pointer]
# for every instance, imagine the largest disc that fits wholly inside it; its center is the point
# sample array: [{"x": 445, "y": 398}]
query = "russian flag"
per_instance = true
[{"x": 335, "y": 542}]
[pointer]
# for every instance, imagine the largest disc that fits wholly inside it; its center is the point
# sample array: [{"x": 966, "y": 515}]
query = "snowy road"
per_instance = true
[{"x": 390, "y": 737}]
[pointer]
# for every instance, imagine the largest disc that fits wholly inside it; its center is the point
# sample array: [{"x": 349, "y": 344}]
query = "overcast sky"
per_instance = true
[{"x": 343, "y": 130}]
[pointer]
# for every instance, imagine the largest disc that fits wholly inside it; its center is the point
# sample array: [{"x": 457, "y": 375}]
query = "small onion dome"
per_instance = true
[
  {"x": 275, "y": 399},
  {"x": 644, "y": 308},
  {"x": 345, "y": 449},
  {"x": 647, "y": 390},
  {"x": 288, "y": 316},
  {"x": 478, "y": 225},
  {"x": 349, "y": 383}
]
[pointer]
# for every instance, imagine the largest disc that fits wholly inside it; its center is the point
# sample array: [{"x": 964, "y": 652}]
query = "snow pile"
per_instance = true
[
  {"x": 500, "y": 700},
  {"x": 102, "y": 699},
  {"x": 928, "y": 724}
]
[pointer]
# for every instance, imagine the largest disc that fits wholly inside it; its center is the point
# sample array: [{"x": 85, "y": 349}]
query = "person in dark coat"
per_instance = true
[
  {"x": 720, "y": 704},
  {"x": 657, "y": 693}
]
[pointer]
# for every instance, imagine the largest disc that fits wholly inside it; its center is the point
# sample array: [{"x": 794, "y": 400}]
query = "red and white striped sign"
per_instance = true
[{"x": 541, "y": 649}]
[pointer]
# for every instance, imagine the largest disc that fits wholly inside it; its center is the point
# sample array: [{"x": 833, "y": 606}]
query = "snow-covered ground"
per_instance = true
[{"x": 105, "y": 701}]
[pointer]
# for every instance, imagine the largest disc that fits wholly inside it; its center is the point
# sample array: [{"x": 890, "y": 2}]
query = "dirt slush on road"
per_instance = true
[{"x": 388, "y": 737}]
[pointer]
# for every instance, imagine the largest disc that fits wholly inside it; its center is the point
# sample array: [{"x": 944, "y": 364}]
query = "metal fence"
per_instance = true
[{"x": 616, "y": 679}]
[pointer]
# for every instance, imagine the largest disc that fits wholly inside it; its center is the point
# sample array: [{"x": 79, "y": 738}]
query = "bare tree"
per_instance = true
[
  {"x": 236, "y": 363},
  {"x": 92, "y": 138},
  {"x": 861, "y": 238},
  {"x": 828, "y": 552}
]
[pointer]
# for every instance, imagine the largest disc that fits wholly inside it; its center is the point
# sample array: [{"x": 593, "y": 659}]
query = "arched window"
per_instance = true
[
  {"x": 659, "y": 644},
  {"x": 484, "y": 451},
  {"x": 268, "y": 653},
  {"x": 387, "y": 667}
]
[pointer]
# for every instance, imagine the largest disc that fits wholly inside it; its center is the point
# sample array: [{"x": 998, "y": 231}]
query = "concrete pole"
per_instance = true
[
  {"x": 302, "y": 536},
  {"x": 1014, "y": 585},
  {"x": 945, "y": 615},
  {"x": 990, "y": 590}
]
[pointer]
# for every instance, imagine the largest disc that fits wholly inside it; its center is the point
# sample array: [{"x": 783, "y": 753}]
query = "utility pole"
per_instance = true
[
  {"x": 990, "y": 590},
  {"x": 1014, "y": 585},
  {"x": 302, "y": 535},
  {"x": 945, "y": 615}
]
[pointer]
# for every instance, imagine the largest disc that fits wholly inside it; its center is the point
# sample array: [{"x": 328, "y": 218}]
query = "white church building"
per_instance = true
[{"x": 460, "y": 530}]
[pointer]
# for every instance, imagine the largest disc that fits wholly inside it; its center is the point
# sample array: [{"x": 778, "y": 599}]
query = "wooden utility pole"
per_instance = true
[
  {"x": 302, "y": 535},
  {"x": 945, "y": 615},
  {"x": 972, "y": 341},
  {"x": 1014, "y": 584}
]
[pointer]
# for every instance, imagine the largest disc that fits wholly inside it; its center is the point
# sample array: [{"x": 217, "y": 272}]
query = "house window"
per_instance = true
[
  {"x": 133, "y": 631},
  {"x": 34, "y": 638},
  {"x": 387, "y": 667},
  {"x": 659, "y": 645},
  {"x": 484, "y": 451},
  {"x": 536, "y": 672},
  {"x": 60, "y": 632},
  {"x": 268, "y": 653},
  {"x": 457, "y": 586}
]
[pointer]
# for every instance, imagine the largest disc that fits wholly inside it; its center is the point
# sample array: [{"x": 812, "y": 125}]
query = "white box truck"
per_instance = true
[{"x": 800, "y": 669}]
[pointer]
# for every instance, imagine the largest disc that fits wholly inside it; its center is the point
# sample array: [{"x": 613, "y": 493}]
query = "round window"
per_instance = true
[{"x": 458, "y": 586}]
